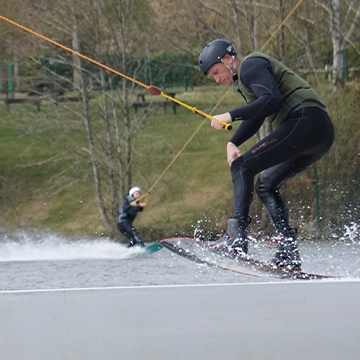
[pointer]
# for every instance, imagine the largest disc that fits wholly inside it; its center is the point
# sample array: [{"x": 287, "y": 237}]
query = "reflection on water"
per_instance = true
[{"x": 33, "y": 261}]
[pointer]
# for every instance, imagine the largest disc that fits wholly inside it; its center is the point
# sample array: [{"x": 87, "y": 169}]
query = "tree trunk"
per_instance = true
[
  {"x": 281, "y": 31},
  {"x": 75, "y": 46},
  {"x": 336, "y": 39}
]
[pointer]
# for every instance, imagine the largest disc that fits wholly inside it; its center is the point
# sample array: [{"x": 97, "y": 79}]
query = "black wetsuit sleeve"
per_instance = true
[
  {"x": 256, "y": 75},
  {"x": 125, "y": 205}
]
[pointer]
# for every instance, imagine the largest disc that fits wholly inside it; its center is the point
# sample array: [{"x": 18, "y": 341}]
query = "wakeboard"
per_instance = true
[
  {"x": 153, "y": 247},
  {"x": 204, "y": 252}
]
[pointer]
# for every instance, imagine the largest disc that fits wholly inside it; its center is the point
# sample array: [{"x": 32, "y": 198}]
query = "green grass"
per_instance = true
[{"x": 41, "y": 187}]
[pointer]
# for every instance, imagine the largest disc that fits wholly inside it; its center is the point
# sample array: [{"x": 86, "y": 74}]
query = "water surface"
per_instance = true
[{"x": 33, "y": 261}]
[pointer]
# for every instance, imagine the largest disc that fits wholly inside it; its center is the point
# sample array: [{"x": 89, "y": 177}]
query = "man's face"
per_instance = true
[{"x": 220, "y": 73}]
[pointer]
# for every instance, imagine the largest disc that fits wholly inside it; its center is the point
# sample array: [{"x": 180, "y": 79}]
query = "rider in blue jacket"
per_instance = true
[{"x": 130, "y": 208}]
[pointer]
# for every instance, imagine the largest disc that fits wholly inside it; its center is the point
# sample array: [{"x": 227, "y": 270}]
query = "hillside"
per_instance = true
[{"x": 39, "y": 192}]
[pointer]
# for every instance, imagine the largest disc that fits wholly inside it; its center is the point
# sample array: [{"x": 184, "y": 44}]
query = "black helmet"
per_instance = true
[{"x": 213, "y": 52}]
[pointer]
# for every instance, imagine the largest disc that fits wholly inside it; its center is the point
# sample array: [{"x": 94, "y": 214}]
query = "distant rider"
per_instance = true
[{"x": 129, "y": 211}]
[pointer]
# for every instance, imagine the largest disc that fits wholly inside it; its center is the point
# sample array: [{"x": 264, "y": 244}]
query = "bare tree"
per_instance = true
[
  {"x": 102, "y": 29},
  {"x": 343, "y": 19}
]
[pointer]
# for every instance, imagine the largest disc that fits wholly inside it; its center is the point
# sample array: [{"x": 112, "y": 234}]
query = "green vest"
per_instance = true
[{"x": 296, "y": 92}]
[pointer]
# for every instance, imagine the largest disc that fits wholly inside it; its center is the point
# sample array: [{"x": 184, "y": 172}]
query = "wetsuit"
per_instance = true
[
  {"x": 303, "y": 134},
  {"x": 125, "y": 221}
]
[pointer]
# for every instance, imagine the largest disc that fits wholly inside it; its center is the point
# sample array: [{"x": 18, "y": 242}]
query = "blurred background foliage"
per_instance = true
[{"x": 47, "y": 175}]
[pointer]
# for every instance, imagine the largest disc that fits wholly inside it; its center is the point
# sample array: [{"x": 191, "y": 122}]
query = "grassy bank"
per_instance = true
[{"x": 41, "y": 190}]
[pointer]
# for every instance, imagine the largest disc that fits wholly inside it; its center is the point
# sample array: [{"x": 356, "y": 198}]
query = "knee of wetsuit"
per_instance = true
[
  {"x": 235, "y": 166},
  {"x": 260, "y": 188}
]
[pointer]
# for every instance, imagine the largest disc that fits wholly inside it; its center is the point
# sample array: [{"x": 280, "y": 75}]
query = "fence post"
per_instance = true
[
  {"x": 345, "y": 69},
  {"x": 10, "y": 79},
  {"x": 317, "y": 201}
]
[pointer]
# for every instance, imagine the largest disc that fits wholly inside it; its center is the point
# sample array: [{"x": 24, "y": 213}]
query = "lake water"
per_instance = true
[{"x": 31, "y": 261}]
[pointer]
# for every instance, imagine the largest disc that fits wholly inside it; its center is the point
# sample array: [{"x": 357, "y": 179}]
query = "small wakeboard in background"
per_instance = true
[
  {"x": 203, "y": 252},
  {"x": 153, "y": 247}
]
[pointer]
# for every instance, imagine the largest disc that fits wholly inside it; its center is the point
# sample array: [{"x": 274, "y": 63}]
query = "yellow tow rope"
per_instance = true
[{"x": 153, "y": 89}]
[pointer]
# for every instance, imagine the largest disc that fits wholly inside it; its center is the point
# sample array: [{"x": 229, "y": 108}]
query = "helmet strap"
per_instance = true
[{"x": 231, "y": 68}]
